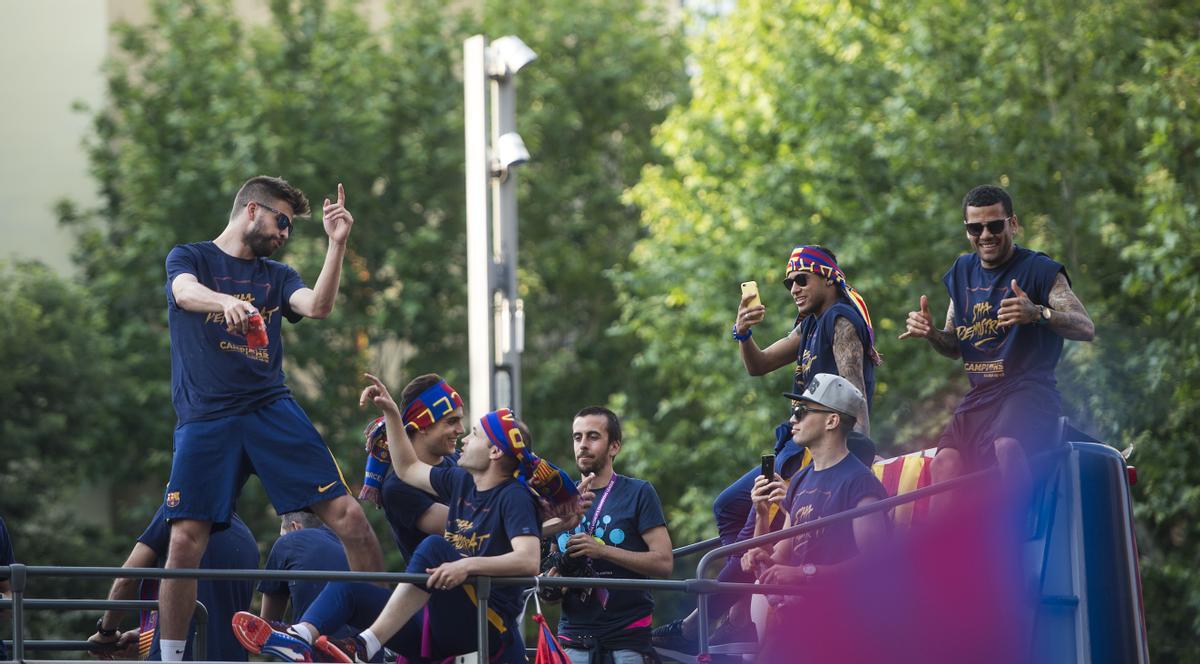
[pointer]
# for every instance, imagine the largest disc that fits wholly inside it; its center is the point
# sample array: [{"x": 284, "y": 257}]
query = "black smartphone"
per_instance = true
[{"x": 768, "y": 466}]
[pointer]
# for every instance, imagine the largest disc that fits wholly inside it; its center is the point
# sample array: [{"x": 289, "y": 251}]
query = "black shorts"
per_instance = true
[{"x": 1028, "y": 414}]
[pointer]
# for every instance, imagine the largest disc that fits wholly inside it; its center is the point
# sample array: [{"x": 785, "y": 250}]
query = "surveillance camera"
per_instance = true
[
  {"x": 509, "y": 55},
  {"x": 510, "y": 151}
]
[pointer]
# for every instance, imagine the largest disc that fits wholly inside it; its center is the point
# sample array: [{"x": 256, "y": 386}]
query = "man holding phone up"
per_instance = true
[{"x": 833, "y": 334}]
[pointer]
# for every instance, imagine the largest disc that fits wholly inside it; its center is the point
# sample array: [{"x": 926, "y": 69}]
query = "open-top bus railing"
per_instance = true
[
  {"x": 21, "y": 574},
  {"x": 200, "y": 615},
  {"x": 788, "y": 533},
  {"x": 483, "y": 584},
  {"x": 699, "y": 585}
]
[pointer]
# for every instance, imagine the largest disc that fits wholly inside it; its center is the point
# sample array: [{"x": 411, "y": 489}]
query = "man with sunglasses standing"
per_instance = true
[
  {"x": 235, "y": 414},
  {"x": 1010, "y": 309}
]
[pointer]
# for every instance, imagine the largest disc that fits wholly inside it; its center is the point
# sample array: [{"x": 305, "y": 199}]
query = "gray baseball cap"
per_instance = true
[{"x": 834, "y": 392}]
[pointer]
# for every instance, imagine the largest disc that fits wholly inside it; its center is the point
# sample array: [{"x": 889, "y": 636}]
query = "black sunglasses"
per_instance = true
[
  {"x": 798, "y": 412},
  {"x": 801, "y": 279},
  {"x": 995, "y": 226},
  {"x": 281, "y": 220}
]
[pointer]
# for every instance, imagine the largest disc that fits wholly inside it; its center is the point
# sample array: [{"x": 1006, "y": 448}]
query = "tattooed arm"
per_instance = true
[
  {"x": 1069, "y": 319},
  {"x": 945, "y": 341},
  {"x": 848, "y": 353}
]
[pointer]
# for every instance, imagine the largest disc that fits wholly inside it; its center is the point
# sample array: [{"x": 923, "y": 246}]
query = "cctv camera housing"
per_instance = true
[
  {"x": 510, "y": 150},
  {"x": 509, "y": 55}
]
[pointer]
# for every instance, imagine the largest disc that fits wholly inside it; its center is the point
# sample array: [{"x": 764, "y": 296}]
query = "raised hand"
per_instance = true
[
  {"x": 1017, "y": 310},
  {"x": 586, "y": 495},
  {"x": 919, "y": 323},
  {"x": 747, "y": 316},
  {"x": 766, "y": 493},
  {"x": 337, "y": 219},
  {"x": 377, "y": 393}
]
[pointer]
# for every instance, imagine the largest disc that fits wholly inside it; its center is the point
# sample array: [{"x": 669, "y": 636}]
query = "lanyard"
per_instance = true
[{"x": 600, "y": 505}]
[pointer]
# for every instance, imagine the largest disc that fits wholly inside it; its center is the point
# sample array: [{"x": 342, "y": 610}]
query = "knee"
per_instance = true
[
  {"x": 345, "y": 517},
  {"x": 188, "y": 541},
  {"x": 946, "y": 465},
  {"x": 1008, "y": 452}
]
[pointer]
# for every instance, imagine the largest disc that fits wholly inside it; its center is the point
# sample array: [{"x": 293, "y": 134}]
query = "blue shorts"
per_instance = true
[
  {"x": 213, "y": 458},
  {"x": 1029, "y": 415}
]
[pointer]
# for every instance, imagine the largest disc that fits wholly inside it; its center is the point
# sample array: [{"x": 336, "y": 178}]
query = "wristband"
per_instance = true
[
  {"x": 106, "y": 633},
  {"x": 742, "y": 337},
  {"x": 376, "y": 469}
]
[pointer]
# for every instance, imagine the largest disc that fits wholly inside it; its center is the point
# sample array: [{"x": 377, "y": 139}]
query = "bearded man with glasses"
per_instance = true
[
  {"x": 1010, "y": 309},
  {"x": 235, "y": 414}
]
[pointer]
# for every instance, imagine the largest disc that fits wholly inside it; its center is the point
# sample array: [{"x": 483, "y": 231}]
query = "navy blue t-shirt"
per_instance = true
[
  {"x": 403, "y": 506},
  {"x": 307, "y": 549},
  {"x": 230, "y": 548},
  {"x": 816, "y": 347},
  {"x": 483, "y": 523},
  {"x": 814, "y": 494},
  {"x": 1000, "y": 360},
  {"x": 631, "y": 509},
  {"x": 213, "y": 372}
]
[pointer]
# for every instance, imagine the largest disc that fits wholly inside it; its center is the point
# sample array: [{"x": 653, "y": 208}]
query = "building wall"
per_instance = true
[{"x": 50, "y": 55}]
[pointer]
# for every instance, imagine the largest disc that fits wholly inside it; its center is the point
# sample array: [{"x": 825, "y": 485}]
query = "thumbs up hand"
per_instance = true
[
  {"x": 1018, "y": 309},
  {"x": 919, "y": 323}
]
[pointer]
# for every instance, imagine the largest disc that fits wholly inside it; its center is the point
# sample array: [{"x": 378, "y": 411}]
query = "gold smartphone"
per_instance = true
[{"x": 751, "y": 288}]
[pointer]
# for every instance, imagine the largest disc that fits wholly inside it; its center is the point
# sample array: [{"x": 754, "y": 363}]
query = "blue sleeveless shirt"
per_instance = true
[
  {"x": 816, "y": 347},
  {"x": 1000, "y": 360}
]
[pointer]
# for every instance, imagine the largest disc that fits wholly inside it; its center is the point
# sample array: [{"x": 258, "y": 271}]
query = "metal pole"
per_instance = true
[
  {"x": 17, "y": 581},
  {"x": 504, "y": 233},
  {"x": 483, "y": 591},
  {"x": 479, "y": 243}
]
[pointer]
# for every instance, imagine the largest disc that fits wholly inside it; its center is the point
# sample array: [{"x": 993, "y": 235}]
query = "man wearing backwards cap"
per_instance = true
[
  {"x": 834, "y": 482},
  {"x": 491, "y": 528}
]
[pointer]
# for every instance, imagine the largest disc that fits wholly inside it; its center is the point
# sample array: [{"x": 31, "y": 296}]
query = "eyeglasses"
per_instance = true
[
  {"x": 281, "y": 220},
  {"x": 800, "y": 411},
  {"x": 801, "y": 279},
  {"x": 995, "y": 226}
]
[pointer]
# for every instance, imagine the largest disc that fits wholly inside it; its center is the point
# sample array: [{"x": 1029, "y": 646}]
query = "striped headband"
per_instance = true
[
  {"x": 813, "y": 259},
  {"x": 430, "y": 406},
  {"x": 543, "y": 478}
]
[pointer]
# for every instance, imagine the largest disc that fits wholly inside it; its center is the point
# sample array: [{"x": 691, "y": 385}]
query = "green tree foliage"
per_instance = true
[
  {"x": 56, "y": 425},
  {"x": 202, "y": 100},
  {"x": 860, "y": 126}
]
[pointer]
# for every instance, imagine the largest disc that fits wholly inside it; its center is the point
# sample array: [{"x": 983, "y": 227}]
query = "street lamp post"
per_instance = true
[{"x": 495, "y": 314}]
